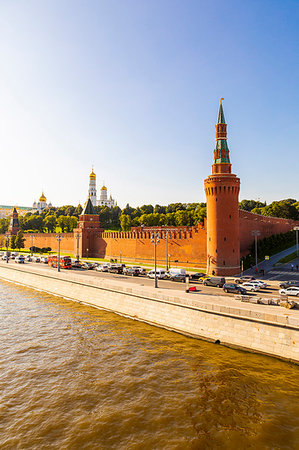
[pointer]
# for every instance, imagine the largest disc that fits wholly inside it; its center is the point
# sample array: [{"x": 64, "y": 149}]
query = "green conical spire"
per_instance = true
[
  {"x": 221, "y": 118},
  {"x": 88, "y": 209}
]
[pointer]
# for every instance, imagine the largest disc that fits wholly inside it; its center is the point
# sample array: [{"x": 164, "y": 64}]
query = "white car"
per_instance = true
[
  {"x": 103, "y": 267},
  {"x": 293, "y": 290},
  {"x": 159, "y": 272},
  {"x": 20, "y": 259},
  {"x": 4, "y": 257},
  {"x": 251, "y": 286},
  {"x": 260, "y": 283}
]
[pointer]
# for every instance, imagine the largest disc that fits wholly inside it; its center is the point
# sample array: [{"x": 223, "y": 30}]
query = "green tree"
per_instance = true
[
  {"x": 12, "y": 243},
  {"x": 19, "y": 240},
  {"x": 50, "y": 223},
  {"x": 4, "y": 224},
  {"x": 125, "y": 222}
]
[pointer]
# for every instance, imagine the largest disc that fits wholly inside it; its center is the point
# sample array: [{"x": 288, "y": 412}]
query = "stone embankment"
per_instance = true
[{"x": 261, "y": 328}]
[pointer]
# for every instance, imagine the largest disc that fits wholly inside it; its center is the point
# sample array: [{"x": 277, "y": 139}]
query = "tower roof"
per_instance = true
[
  {"x": 103, "y": 188},
  {"x": 42, "y": 198},
  {"x": 15, "y": 210},
  {"x": 92, "y": 174},
  {"x": 88, "y": 208},
  {"x": 221, "y": 118}
]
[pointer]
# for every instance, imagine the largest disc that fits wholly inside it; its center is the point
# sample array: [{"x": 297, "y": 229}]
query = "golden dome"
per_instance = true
[
  {"x": 42, "y": 198},
  {"x": 92, "y": 175},
  {"x": 103, "y": 188}
]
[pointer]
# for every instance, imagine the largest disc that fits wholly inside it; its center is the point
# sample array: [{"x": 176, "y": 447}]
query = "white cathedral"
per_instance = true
[{"x": 92, "y": 193}]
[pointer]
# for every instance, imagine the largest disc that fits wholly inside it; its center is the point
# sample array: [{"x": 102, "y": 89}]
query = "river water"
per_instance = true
[{"x": 75, "y": 377}]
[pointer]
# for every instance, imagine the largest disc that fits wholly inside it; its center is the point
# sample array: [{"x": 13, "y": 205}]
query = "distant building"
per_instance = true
[
  {"x": 41, "y": 204},
  {"x": 92, "y": 190},
  {"x": 92, "y": 193},
  {"x": 7, "y": 210},
  {"x": 104, "y": 200}
]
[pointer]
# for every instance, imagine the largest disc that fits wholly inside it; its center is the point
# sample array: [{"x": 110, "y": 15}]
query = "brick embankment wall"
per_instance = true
[
  {"x": 261, "y": 328},
  {"x": 265, "y": 224}
]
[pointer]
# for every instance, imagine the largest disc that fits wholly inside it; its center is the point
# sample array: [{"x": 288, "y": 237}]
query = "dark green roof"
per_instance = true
[
  {"x": 221, "y": 152},
  {"x": 221, "y": 118},
  {"x": 88, "y": 209}
]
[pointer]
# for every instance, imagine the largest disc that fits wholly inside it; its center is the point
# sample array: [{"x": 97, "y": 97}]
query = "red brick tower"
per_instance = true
[
  {"x": 14, "y": 225},
  {"x": 222, "y": 191},
  {"x": 88, "y": 231}
]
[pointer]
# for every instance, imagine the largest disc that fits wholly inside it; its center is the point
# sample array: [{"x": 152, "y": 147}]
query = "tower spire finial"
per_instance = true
[{"x": 221, "y": 118}]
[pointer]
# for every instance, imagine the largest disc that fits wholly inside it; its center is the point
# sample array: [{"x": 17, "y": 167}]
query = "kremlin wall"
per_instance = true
[
  {"x": 186, "y": 245},
  {"x": 215, "y": 245}
]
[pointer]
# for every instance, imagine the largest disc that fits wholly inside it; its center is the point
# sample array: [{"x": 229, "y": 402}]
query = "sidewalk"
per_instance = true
[{"x": 268, "y": 265}]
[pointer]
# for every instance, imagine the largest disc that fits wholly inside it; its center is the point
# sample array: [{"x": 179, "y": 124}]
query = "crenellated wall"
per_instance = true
[
  {"x": 266, "y": 225},
  {"x": 186, "y": 245}
]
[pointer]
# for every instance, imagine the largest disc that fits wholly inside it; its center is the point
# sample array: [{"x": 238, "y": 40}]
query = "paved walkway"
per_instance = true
[{"x": 283, "y": 272}]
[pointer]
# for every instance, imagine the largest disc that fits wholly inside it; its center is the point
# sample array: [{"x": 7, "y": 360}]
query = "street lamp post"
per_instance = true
[
  {"x": 256, "y": 233},
  {"x": 77, "y": 236},
  {"x": 31, "y": 244},
  {"x": 7, "y": 241},
  {"x": 296, "y": 229},
  {"x": 167, "y": 236},
  {"x": 155, "y": 239},
  {"x": 58, "y": 237}
]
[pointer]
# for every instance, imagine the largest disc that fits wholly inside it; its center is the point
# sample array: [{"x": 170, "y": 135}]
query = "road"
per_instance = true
[{"x": 270, "y": 291}]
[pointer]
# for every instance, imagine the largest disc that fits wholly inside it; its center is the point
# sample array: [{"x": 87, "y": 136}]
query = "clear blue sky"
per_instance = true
[{"x": 133, "y": 87}]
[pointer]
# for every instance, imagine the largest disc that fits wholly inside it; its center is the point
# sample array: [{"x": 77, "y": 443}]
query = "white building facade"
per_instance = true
[{"x": 92, "y": 193}]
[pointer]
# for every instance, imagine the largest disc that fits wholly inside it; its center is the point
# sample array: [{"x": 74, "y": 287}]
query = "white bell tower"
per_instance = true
[{"x": 92, "y": 190}]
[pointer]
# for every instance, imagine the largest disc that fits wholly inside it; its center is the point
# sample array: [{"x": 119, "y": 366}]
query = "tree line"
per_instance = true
[
  {"x": 65, "y": 218},
  {"x": 269, "y": 246}
]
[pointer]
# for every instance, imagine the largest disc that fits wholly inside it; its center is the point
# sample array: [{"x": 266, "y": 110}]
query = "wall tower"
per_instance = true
[
  {"x": 222, "y": 192},
  {"x": 92, "y": 190},
  {"x": 88, "y": 231},
  {"x": 14, "y": 225}
]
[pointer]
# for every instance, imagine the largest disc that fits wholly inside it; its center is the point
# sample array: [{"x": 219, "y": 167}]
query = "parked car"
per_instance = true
[
  {"x": 250, "y": 286},
  {"x": 116, "y": 268},
  {"x": 234, "y": 288},
  {"x": 132, "y": 271},
  {"x": 160, "y": 273},
  {"x": 36, "y": 259},
  {"x": 20, "y": 259},
  {"x": 293, "y": 290},
  {"x": 141, "y": 270},
  {"x": 214, "y": 281},
  {"x": 286, "y": 284},
  {"x": 28, "y": 258},
  {"x": 243, "y": 279},
  {"x": 260, "y": 283},
  {"x": 172, "y": 272},
  {"x": 44, "y": 260},
  {"x": 76, "y": 265},
  {"x": 177, "y": 277},
  {"x": 5, "y": 257},
  {"x": 103, "y": 267},
  {"x": 197, "y": 276},
  {"x": 87, "y": 266}
]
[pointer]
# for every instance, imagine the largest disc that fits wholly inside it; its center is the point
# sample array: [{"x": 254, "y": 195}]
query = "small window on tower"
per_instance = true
[
  {"x": 224, "y": 239},
  {"x": 224, "y": 263},
  {"x": 230, "y": 216}
]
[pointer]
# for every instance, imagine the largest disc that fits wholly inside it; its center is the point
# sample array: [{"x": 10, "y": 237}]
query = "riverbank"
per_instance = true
[{"x": 271, "y": 330}]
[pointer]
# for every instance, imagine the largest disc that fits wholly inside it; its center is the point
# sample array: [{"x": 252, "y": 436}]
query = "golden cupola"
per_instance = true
[{"x": 42, "y": 198}]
